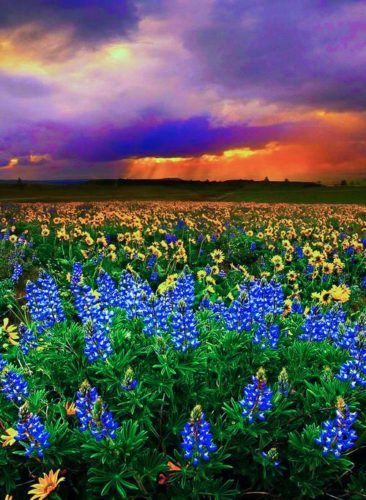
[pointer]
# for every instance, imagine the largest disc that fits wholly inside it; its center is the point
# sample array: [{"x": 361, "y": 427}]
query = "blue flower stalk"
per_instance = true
[
  {"x": 92, "y": 413},
  {"x": 283, "y": 384},
  {"x": 337, "y": 435},
  {"x": 354, "y": 370},
  {"x": 14, "y": 386},
  {"x": 197, "y": 439},
  {"x": 129, "y": 382},
  {"x": 28, "y": 339},
  {"x": 184, "y": 328},
  {"x": 32, "y": 432},
  {"x": 17, "y": 272},
  {"x": 257, "y": 397},
  {"x": 272, "y": 457},
  {"x": 44, "y": 302}
]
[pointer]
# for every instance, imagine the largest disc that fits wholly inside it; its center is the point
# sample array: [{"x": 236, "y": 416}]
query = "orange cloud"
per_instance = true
[
  {"x": 296, "y": 161},
  {"x": 38, "y": 158},
  {"x": 13, "y": 162}
]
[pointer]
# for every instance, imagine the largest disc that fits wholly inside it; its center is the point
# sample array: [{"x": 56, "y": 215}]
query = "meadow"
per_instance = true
[
  {"x": 182, "y": 350},
  {"x": 176, "y": 189}
]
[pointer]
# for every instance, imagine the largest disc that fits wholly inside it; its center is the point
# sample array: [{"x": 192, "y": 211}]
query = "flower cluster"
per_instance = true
[
  {"x": 133, "y": 295},
  {"x": 96, "y": 320},
  {"x": 28, "y": 339},
  {"x": 108, "y": 293},
  {"x": 283, "y": 383},
  {"x": 13, "y": 386},
  {"x": 156, "y": 316},
  {"x": 354, "y": 370},
  {"x": 337, "y": 435},
  {"x": 184, "y": 328},
  {"x": 76, "y": 277},
  {"x": 271, "y": 457},
  {"x": 129, "y": 382},
  {"x": 44, "y": 302},
  {"x": 197, "y": 438},
  {"x": 32, "y": 432},
  {"x": 257, "y": 397},
  {"x": 92, "y": 413},
  {"x": 257, "y": 305},
  {"x": 17, "y": 272},
  {"x": 319, "y": 327}
]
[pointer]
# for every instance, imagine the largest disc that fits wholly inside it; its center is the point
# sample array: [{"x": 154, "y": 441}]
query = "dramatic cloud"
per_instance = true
[
  {"x": 22, "y": 86},
  {"x": 172, "y": 87},
  {"x": 311, "y": 53},
  {"x": 192, "y": 137},
  {"x": 90, "y": 20}
]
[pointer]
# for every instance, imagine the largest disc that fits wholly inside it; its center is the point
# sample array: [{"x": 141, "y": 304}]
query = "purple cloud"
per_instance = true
[
  {"x": 92, "y": 21},
  {"x": 189, "y": 137},
  {"x": 306, "y": 53},
  {"x": 23, "y": 86}
]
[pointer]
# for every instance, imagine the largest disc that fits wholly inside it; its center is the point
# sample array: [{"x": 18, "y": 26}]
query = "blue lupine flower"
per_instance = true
[
  {"x": 319, "y": 327},
  {"x": 170, "y": 238},
  {"x": 32, "y": 432},
  {"x": 151, "y": 261},
  {"x": 129, "y": 382},
  {"x": 309, "y": 269},
  {"x": 208, "y": 269},
  {"x": 257, "y": 304},
  {"x": 197, "y": 439},
  {"x": 364, "y": 282},
  {"x": 267, "y": 333},
  {"x": 154, "y": 276},
  {"x": 2, "y": 363},
  {"x": 184, "y": 328},
  {"x": 257, "y": 397},
  {"x": 97, "y": 320},
  {"x": 253, "y": 246},
  {"x": 354, "y": 370},
  {"x": 76, "y": 276},
  {"x": 28, "y": 339},
  {"x": 92, "y": 413},
  {"x": 299, "y": 252},
  {"x": 13, "y": 386},
  {"x": 17, "y": 272},
  {"x": 156, "y": 315},
  {"x": 108, "y": 293},
  {"x": 283, "y": 384},
  {"x": 272, "y": 457},
  {"x": 133, "y": 295},
  {"x": 296, "y": 307},
  {"x": 44, "y": 302},
  {"x": 180, "y": 225},
  {"x": 98, "y": 344},
  {"x": 337, "y": 435},
  {"x": 183, "y": 290}
]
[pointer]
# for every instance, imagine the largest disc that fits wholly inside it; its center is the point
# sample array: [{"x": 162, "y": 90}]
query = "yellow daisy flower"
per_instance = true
[
  {"x": 340, "y": 293},
  {"x": 217, "y": 256},
  {"x": 46, "y": 485},
  {"x": 11, "y": 331},
  {"x": 8, "y": 438}
]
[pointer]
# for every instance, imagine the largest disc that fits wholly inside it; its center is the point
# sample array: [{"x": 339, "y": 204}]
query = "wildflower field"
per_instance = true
[{"x": 182, "y": 350}]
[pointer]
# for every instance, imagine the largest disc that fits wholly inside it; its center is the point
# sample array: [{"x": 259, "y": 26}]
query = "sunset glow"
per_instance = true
[{"x": 198, "y": 90}]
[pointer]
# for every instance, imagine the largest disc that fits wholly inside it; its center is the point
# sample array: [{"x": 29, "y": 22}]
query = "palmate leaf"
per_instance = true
[{"x": 109, "y": 482}]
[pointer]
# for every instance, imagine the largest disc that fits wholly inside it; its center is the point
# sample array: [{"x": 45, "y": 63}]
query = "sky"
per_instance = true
[{"x": 195, "y": 89}]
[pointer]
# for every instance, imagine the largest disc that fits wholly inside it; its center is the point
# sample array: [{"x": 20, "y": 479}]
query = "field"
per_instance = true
[
  {"x": 183, "y": 349},
  {"x": 247, "y": 191}
]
